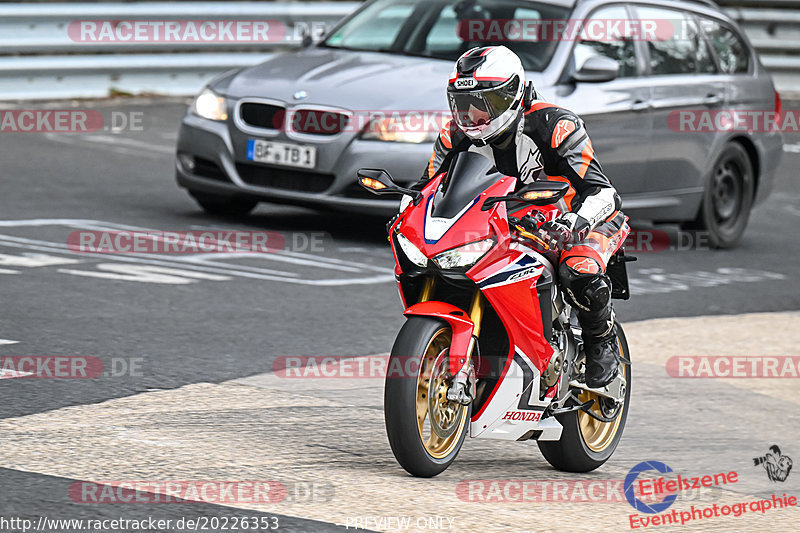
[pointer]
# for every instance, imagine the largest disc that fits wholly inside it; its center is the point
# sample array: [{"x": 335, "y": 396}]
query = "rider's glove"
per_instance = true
[{"x": 568, "y": 229}]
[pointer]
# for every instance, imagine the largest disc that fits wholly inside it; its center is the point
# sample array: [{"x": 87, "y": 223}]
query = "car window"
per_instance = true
[
  {"x": 523, "y": 13},
  {"x": 671, "y": 52},
  {"x": 731, "y": 50},
  {"x": 375, "y": 27},
  {"x": 705, "y": 61},
  {"x": 622, "y": 50},
  {"x": 445, "y": 29},
  {"x": 444, "y": 33}
]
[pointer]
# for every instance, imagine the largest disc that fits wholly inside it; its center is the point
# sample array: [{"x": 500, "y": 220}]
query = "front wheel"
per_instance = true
[
  {"x": 586, "y": 443},
  {"x": 425, "y": 430}
]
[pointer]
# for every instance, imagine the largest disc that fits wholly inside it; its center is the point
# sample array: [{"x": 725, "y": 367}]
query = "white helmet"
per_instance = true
[{"x": 485, "y": 92}]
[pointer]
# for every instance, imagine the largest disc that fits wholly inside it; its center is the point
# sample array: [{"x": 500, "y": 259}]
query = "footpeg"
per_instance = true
[{"x": 579, "y": 407}]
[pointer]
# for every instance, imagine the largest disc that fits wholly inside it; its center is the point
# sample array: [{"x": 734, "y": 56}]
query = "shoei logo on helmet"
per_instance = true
[{"x": 466, "y": 83}]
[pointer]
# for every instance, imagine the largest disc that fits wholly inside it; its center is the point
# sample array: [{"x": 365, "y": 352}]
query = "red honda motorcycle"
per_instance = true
[{"x": 496, "y": 346}]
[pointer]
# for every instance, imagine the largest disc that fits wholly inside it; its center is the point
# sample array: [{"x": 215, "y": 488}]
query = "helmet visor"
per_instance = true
[{"x": 477, "y": 109}]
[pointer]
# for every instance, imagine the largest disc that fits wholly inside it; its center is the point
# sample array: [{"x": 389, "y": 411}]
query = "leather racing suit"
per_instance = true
[{"x": 551, "y": 143}]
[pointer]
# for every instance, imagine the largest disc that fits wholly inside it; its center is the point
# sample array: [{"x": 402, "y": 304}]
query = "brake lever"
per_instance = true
[{"x": 531, "y": 236}]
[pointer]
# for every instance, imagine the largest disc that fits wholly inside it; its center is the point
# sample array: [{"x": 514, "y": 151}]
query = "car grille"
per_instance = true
[
  {"x": 280, "y": 178},
  {"x": 318, "y": 122},
  {"x": 265, "y": 116}
]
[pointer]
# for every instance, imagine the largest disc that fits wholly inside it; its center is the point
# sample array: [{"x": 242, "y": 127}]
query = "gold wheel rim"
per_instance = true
[
  {"x": 432, "y": 402},
  {"x": 596, "y": 434}
]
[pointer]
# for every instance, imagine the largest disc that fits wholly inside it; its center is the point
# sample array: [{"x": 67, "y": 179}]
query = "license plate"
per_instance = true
[{"x": 292, "y": 155}]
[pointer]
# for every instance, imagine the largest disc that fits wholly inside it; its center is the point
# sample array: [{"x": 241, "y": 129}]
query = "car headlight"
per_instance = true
[
  {"x": 210, "y": 105},
  {"x": 411, "y": 251},
  {"x": 463, "y": 256},
  {"x": 398, "y": 129}
]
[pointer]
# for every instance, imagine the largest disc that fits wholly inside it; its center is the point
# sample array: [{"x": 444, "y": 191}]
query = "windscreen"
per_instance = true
[{"x": 469, "y": 175}]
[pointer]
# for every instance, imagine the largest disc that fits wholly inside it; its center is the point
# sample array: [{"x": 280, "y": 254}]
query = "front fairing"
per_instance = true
[{"x": 434, "y": 235}]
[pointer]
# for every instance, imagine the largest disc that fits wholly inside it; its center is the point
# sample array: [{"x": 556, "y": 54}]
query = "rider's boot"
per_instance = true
[
  {"x": 600, "y": 345},
  {"x": 590, "y": 294}
]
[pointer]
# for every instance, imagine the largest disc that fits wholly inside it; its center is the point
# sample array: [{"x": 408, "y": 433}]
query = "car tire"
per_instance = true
[
  {"x": 727, "y": 198},
  {"x": 224, "y": 206}
]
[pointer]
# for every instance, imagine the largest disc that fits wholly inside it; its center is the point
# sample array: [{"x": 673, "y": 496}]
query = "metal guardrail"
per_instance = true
[
  {"x": 773, "y": 27},
  {"x": 40, "y": 56},
  {"x": 39, "y": 59}
]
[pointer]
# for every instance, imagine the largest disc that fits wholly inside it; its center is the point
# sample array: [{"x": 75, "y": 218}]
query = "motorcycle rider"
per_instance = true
[{"x": 496, "y": 114}]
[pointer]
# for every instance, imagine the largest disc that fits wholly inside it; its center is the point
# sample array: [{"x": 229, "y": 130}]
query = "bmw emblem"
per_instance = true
[{"x": 299, "y": 95}]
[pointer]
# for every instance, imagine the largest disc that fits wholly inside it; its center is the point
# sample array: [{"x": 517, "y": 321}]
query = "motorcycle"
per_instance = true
[{"x": 496, "y": 346}]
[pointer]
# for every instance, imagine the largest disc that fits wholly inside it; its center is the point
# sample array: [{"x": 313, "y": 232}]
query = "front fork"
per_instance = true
[{"x": 462, "y": 388}]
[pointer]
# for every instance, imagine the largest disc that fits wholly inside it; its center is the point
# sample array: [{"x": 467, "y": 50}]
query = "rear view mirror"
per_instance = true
[
  {"x": 536, "y": 193},
  {"x": 543, "y": 192},
  {"x": 378, "y": 181},
  {"x": 597, "y": 69}
]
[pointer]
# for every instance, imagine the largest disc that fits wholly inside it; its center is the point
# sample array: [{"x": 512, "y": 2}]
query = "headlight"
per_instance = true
[
  {"x": 411, "y": 251},
  {"x": 463, "y": 256},
  {"x": 210, "y": 105},
  {"x": 398, "y": 129}
]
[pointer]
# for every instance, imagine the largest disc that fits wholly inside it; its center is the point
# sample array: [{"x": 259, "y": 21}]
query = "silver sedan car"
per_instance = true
[{"x": 664, "y": 113}]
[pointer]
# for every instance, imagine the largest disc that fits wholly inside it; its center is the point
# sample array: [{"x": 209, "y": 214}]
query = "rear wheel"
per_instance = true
[
  {"x": 425, "y": 430},
  {"x": 224, "y": 206},
  {"x": 727, "y": 199},
  {"x": 586, "y": 443}
]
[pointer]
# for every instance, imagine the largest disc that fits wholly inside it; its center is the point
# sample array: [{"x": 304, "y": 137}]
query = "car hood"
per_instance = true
[{"x": 344, "y": 78}]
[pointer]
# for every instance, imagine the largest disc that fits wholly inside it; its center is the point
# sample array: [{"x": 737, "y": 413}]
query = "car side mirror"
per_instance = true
[
  {"x": 597, "y": 69},
  {"x": 378, "y": 181}
]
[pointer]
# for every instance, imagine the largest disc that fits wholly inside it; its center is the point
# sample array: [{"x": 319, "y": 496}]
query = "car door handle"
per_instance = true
[
  {"x": 712, "y": 98},
  {"x": 640, "y": 105}
]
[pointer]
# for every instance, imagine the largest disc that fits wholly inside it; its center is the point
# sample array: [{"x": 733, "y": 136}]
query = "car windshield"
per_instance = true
[{"x": 445, "y": 29}]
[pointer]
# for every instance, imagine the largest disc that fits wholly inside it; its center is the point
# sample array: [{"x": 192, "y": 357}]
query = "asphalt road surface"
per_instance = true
[{"x": 187, "y": 346}]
